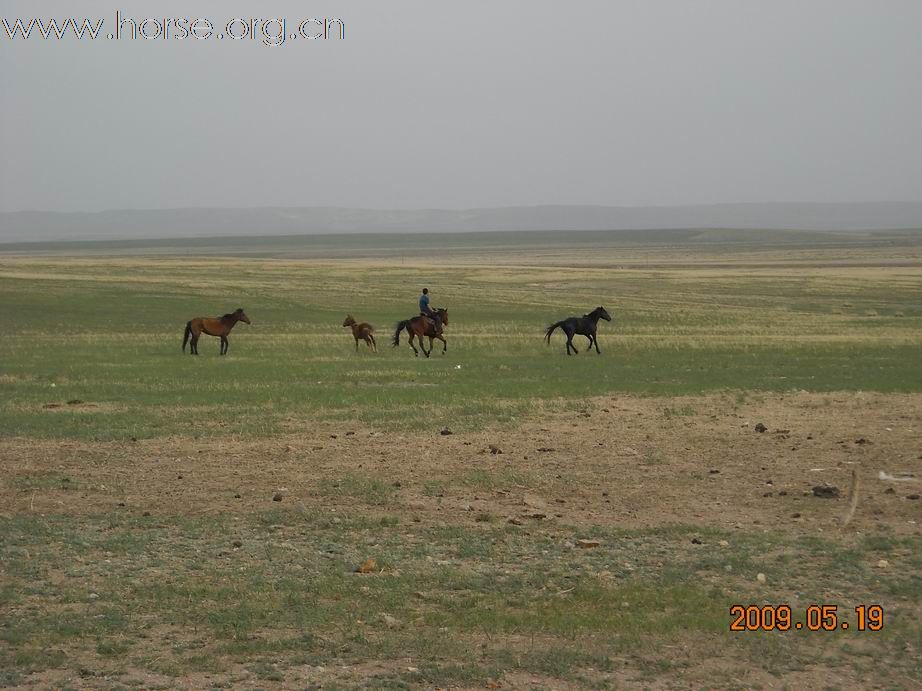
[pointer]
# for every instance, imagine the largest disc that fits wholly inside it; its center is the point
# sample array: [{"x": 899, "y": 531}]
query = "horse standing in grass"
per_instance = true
[
  {"x": 587, "y": 325},
  {"x": 421, "y": 326},
  {"x": 213, "y": 326},
  {"x": 363, "y": 331}
]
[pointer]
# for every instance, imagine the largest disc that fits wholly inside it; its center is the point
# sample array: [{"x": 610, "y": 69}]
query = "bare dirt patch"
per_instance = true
[{"x": 623, "y": 461}]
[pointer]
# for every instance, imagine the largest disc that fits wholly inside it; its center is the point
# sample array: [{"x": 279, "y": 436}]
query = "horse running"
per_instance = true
[
  {"x": 421, "y": 326},
  {"x": 363, "y": 331},
  {"x": 213, "y": 326},
  {"x": 587, "y": 325}
]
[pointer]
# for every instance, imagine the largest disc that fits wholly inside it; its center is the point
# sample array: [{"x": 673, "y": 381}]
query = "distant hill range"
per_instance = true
[{"x": 39, "y": 226}]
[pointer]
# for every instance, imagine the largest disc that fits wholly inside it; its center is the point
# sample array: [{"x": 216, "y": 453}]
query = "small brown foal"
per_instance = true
[{"x": 363, "y": 331}]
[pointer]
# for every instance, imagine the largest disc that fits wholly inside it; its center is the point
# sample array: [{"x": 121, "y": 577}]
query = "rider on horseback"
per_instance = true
[{"x": 426, "y": 311}]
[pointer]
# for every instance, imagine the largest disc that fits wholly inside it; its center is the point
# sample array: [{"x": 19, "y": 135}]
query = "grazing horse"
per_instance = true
[
  {"x": 364, "y": 331},
  {"x": 587, "y": 325},
  {"x": 421, "y": 326},
  {"x": 213, "y": 326}
]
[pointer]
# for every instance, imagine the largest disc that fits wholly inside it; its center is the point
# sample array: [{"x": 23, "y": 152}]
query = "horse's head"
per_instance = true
[
  {"x": 241, "y": 316},
  {"x": 349, "y": 320},
  {"x": 443, "y": 315},
  {"x": 602, "y": 313}
]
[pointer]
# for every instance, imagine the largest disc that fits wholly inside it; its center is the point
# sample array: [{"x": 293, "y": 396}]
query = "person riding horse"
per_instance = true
[{"x": 426, "y": 311}]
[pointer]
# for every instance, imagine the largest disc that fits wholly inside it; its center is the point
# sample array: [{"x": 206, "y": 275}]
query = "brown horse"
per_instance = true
[
  {"x": 217, "y": 326},
  {"x": 421, "y": 326},
  {"x": 364, "y": 331}
]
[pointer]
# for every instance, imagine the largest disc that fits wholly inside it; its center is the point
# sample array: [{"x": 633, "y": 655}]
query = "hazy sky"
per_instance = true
[{"x": 469, "y": 104}]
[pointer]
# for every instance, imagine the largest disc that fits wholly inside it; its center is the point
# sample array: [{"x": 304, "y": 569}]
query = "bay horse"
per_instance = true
[
  {"x": 213, "y": 326},
  {"x": 587, "y": 325},
  {"x": 421, "y": 326},
  {"x": 364, "y": 331}
]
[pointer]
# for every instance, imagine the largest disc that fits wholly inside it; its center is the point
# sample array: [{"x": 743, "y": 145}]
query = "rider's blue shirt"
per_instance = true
[{"x": 423, "y": 303}]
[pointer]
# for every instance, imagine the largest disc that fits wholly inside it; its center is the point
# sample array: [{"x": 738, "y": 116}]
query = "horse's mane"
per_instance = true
[{"x": 228, "y": 317}]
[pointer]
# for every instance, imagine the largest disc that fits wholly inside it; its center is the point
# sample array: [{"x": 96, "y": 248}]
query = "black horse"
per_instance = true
[{"x": 587, "y": 325}]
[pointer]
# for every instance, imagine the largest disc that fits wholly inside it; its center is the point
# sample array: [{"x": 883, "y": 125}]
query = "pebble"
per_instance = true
[
  {"x": 587, "y": 544},
  {"x": 760, "y": 577},
  {"x": 826, "y": 491},
  {"x": 883, "y": 564},
  {"x": 368, "y": 566}
]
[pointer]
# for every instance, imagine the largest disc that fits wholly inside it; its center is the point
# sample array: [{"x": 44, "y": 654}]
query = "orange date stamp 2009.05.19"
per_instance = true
[{"x": 815, "y": 618}]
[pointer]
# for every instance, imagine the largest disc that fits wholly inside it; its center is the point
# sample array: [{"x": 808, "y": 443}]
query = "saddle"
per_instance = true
[{"x": 435, "y": 319}]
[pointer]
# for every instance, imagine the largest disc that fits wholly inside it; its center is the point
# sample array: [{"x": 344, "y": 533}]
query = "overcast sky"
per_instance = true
[{"x": 469, "y": 104}]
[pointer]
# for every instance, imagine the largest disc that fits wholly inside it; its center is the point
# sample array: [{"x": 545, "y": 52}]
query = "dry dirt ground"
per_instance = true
[{"x": 622, "y": 462}]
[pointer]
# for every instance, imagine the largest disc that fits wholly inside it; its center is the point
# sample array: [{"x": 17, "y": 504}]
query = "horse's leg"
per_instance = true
[
  {"x": 193, "y": 344},
  {"x": 570, "y": 343},
  {"x": 422, "y": 344},
  {"x": 356, "y": 344},
  {"x": 444, "y": 343},
  {"x": 595, "y": 340},
  {"x": 223, "y": 345},
  {"x": 415, "y": 351},
  {"x": 373, "y": 344}
]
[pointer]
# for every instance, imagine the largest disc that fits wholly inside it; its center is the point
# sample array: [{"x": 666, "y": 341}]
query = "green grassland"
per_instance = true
[
  {"x": 107, "y": 331},
  {"x": 273, "y": 598},
  {"x": 109, "y": 595}
]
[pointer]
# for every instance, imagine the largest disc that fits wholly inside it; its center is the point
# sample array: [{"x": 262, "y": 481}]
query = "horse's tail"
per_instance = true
[
  {"x": 186, "y": 334},
  {"x": 549, "y": 330},
  {"x": 405, "y": 324}
]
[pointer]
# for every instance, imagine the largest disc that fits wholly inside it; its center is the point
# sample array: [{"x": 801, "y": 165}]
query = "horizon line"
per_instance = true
[{"x": 262, "y": 207}]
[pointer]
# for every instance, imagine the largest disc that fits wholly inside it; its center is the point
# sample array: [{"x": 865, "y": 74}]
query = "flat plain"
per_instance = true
[{"x": 294, "y": 515}]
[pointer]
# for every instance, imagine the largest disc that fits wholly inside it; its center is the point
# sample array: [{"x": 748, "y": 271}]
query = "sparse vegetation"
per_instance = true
[{"x": 141, "y": 545}]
